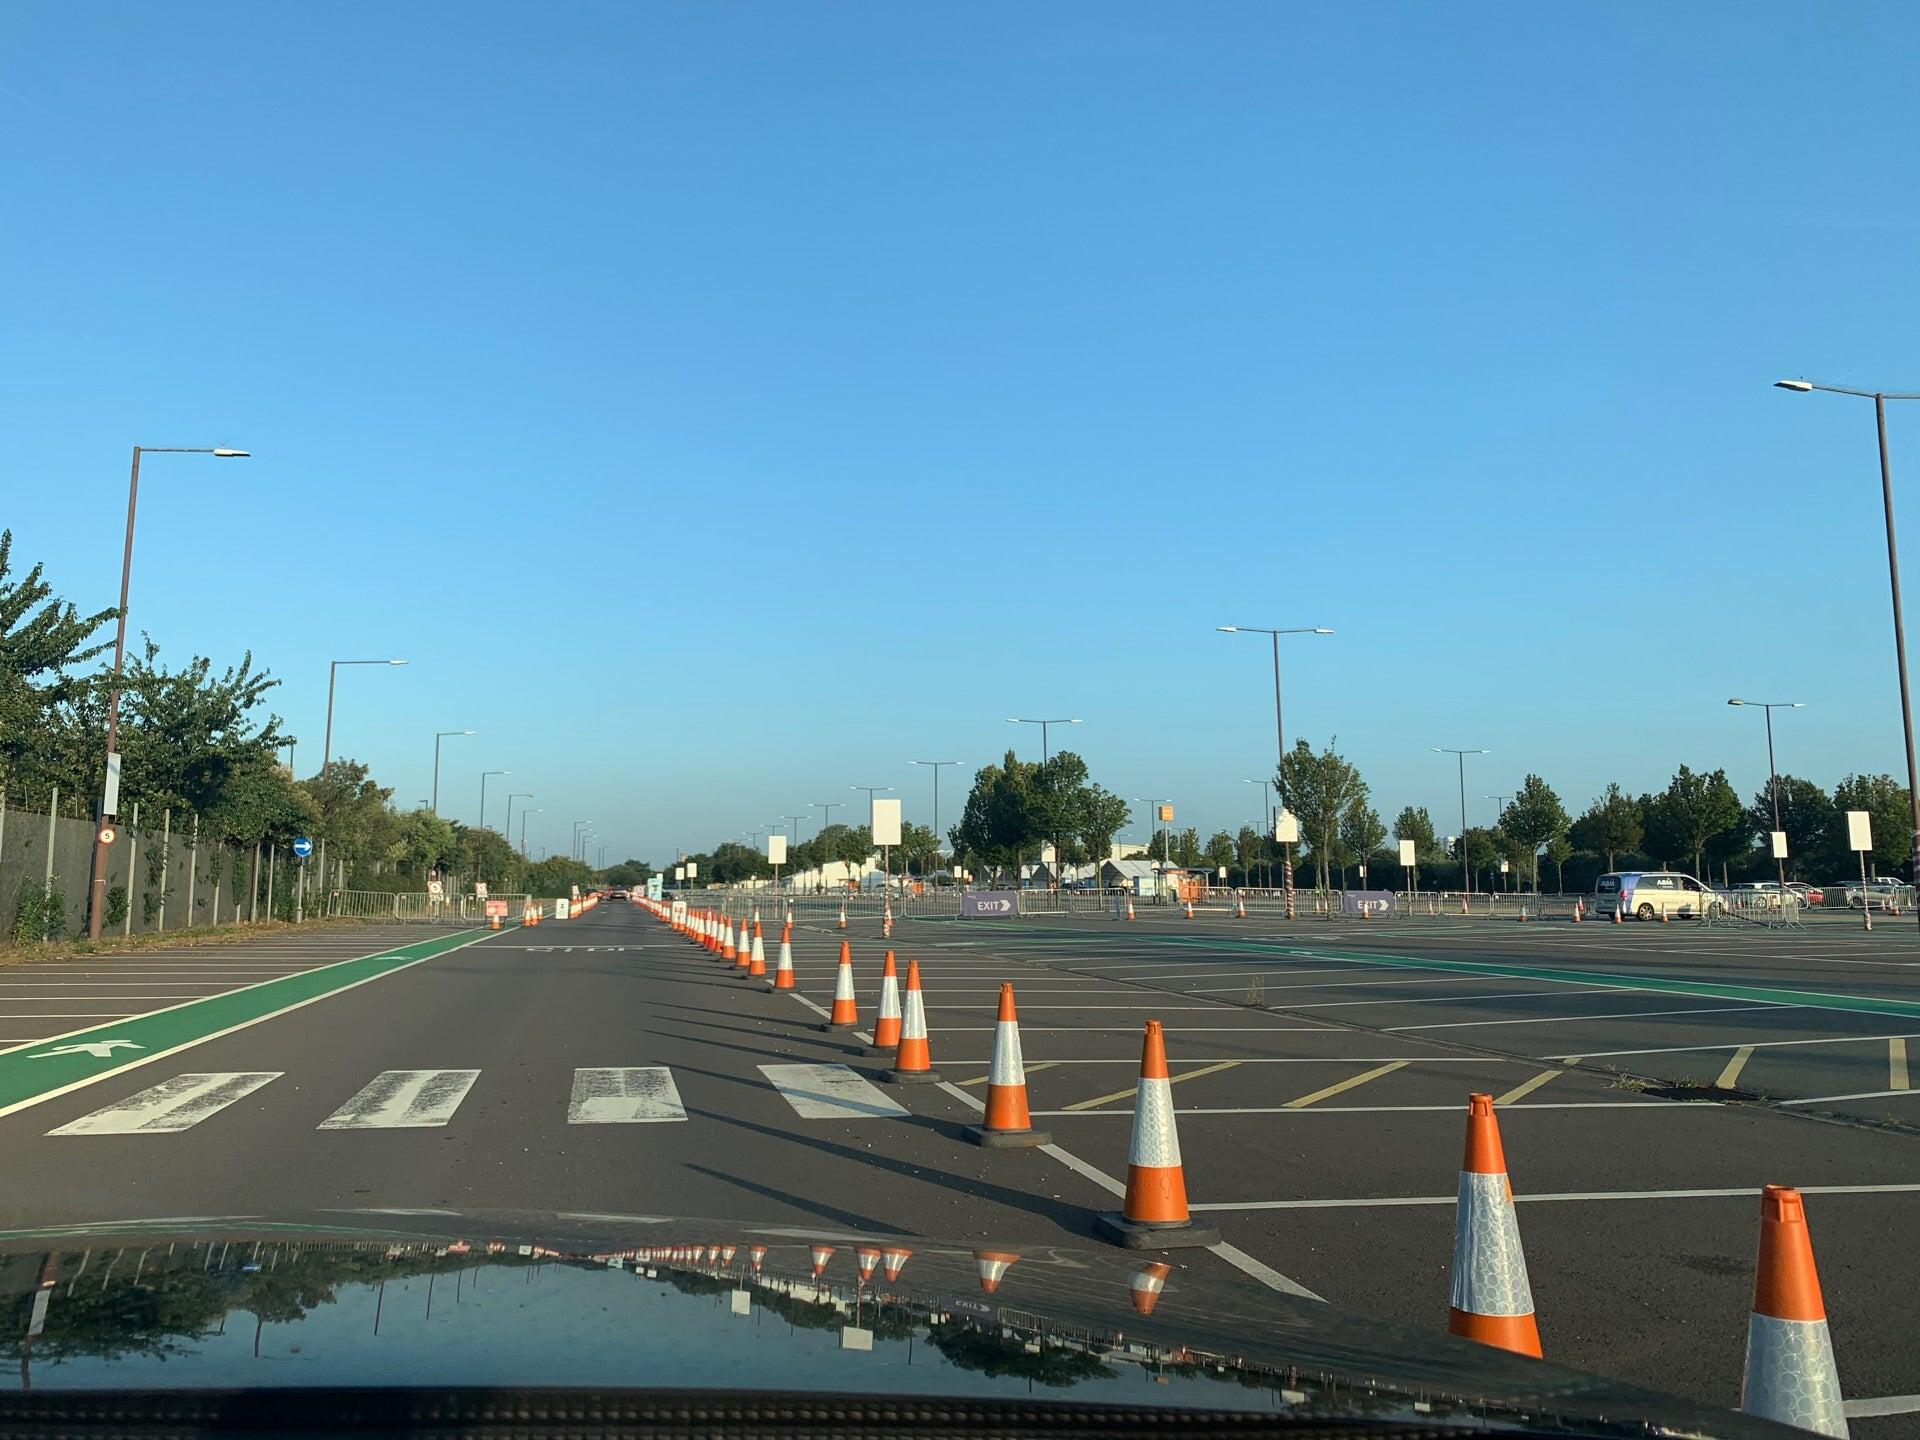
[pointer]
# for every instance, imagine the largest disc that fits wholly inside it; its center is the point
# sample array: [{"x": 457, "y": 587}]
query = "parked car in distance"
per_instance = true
[
  {"x": 1653, "y": 894},
  {"x": 1759, "y": 894},
  {"x": 1809, "y": 894},
  {"x": 1879, "y": 895}
]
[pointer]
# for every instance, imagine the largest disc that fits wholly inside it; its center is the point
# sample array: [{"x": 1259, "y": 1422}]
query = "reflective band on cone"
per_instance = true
[
  {"x": 886, "y": 1024},
  {"x": 1491, "y": 1300},
  {"x": 1007, "y": 1123},
  {"x": 821, "y": 1254},
  {"x": 727, "y": 1254},
  {"x": 1146, "y": 1283},
  {"x": 893, "y": 1260},
  {"x": 1189, "y": 909},
  {"x": 757, "y": 967},
  {"x": 727, "y": 949},
  {"x": 913, "y": 1061},
  {"x": 1154, "y": 1214},
  {"x": 743, "y": 954},
  {"x": 1790, "y": 1375},
  {"x": 845, "y": 1014},
  {"x": 757, "y": 1256},
  {"x": 783, "y": 974},
  {"x": 866, "y": 1260},
  {"x": 994, "y": 1265},
  {"x": 1129, "y": 907}
]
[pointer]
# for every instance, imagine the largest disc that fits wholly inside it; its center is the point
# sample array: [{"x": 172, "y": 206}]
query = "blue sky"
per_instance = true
[{"x": 722, "y": 404}]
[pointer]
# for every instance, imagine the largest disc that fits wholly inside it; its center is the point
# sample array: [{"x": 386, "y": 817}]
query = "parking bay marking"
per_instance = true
[
  {"x": 633, "y": 1095},
  {"x": 1342, "y": 1086},
  {"x": 404, "y": 1100},
  {"x": 171, "y": 1106},
  {"x": 1129, "y": 1091},
  {"x": 830, "y": 1092}
]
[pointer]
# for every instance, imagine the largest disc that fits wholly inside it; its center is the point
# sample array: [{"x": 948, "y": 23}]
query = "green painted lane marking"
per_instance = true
[
  {"x": 42, "y": 1069},
  {"x": 1607, "y": 979}
]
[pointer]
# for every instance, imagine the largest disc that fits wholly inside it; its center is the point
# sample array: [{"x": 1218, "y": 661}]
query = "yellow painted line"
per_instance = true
[
  {"x": 1127, "y": 1094},
  {"x": 1029, "y": 1069},
  {"x": 1345, "y": 1085},
  {"x": 1734, "y": 1067},
  {"x": 1897, "y": 1064},
  {"x": 1527, "y": 1087}
]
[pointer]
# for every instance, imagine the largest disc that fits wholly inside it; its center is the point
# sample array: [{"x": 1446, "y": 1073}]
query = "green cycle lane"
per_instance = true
[
  {"x": 44, "y": 1068},
  {"x": 1607, "y": 979}
]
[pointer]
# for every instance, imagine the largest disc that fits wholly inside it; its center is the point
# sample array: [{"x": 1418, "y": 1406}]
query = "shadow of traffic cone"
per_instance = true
[
  {"x": 1491, "y": 1300},
  {"x": 893, "y": 1259},
  {"x": 757, "y": 966},
  {"x": 783, "y": 972},
  {"x": 1146, "y": 1283},
  {"x": 913, "y": 1061},
  {"x": 1154, "y": 1214},
  {"x": 1790, "y": 1375},
  {"x": 845, "y": 1014},
  {"x": 1007, "y": 1125},
  {"x": 994, "y": 1265},
  {"x": 886, "y": 1023}
]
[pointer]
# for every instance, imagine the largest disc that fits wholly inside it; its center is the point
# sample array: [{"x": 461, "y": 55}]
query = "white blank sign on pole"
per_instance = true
[
  {"x": 776, "y": 849},
  {"x": 1779, "y": 838},
  {"x": 1406, "y": 854},
  {"x": 1859, "y": 830},
  {"x": 1286, "y": 828},
  {"x": 693, "y": 870},
  {"x": 886, "y": 821}
]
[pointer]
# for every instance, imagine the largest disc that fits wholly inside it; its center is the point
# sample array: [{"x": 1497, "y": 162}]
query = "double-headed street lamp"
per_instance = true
[
  {"x": 1045, "y": 753},
  {"x": 333, "y": 668},
  {"x": 1880, "y": 398},
  {"x": 438, "y": 736},
  {"x": 935, "y": 766},
  {"x": 483, "y": 793},
  {"x": 537, "y": 810},
  {"x": 1773, "y": 779},
  {"x": 1279, "y": 730},
  {"x": 578, "y": 849},
  {"x": 1466, "y": 870},
  {"x": 110, "y": 789},
  {"x": 827, "y": 807}
]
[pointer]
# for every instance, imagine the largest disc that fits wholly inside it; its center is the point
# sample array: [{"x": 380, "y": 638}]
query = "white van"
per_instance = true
[{"x": 1653, "y": 894}]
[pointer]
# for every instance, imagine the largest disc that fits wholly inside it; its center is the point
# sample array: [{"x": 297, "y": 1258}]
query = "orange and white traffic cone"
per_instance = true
[
  {"x": 757, "y": 965},
  {"x": 783, "y": 973},
  {"x": 1129, "y": 907},
  {"x": 1146, "y": 1283},
  {"x": 1790, "y": 1375},
  {"x": 1239, "y": 907},
  {"x": 727, "y": 1254},
  {"x": 727, "y": 950},
  {"x": 1617, "y": 908},
  {"x": 913, "y": 1060},
  {"x": 821, "y": 1255},
  {"x": 1189, "y": 909},
  {"x": 756, "y": 1257},
  {"x": 1154, "y": 1214},
  {"x": 743, "y": 954},
  {"x": 994, "y": 1265},
  {"x": 1576, "y": 909},
  {"x": 1007, "y": 1125},
  {"x": 843, "y": 914},
  {"x": 893, "y": 1259},
  {"x": 845, "y": 1014},
  {"x": 866, "y": 1260},
  {"x": 886, "y": 1024},
  {"x": 1491, "y": 1301},
  {"x": 493, "y": 922}
]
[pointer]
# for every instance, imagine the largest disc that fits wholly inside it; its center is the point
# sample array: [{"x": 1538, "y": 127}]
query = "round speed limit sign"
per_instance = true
[{"x": 108, "y": 835}]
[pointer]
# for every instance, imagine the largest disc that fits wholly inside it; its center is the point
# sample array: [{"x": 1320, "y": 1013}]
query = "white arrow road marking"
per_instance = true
[
  {"x": 171, "y": 1106},
  {"x": 404, "y": 1100},
  {"x": 636, "y": 1095},
  {"x": 99, "y": 1049},
  {"x": 830, "y": 1092}
]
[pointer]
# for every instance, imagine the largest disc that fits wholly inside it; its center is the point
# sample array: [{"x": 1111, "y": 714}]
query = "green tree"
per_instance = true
[
  {"x": 1103, "y": 815},
  {"x": 1612, "y": 826},
  {"x": 628, "y": 872},
  {"x": 1559, "y": 850},
  {"x": 485, "y": 855},
  {"x": 1320, "y": 789},
  {"x": 1694, "y": 811},
  {"x": 1002, "y": 823},
  {"x": 1885, "y": 800},
  {"x": 1532, "y": 818},
  {"x": 918, "y": 851},
  {"x": 349, "y": 808},
  {"x": 187, "y": 733},
  {"x": 1361, "y": 835},
  {"x": 1184, "y": 846},
  {"x": 43, "y": 639},
  {"x": 731, "y": 862},
  {"x": 1415, "y": 824},
  {"x": 556, "y": 876},
  {"x": 1815, "y": 829},
  {"x": 1219, "y": 851}
]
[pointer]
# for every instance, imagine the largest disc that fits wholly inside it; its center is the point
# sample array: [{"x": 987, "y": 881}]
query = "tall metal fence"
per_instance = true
[
  {"x": 418, "y": 908},
  {"x": 163, "y": 873}
]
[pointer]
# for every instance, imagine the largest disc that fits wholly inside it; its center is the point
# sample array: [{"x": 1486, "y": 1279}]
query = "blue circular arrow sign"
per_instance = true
[{"x": 302, "y": 847}]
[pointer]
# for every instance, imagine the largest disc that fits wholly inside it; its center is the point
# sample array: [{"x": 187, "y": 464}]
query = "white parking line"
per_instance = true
[
  {"x": 1666, "y": 1106},
  {"x": 1746, "y": 1192},
  {"x": 1611, "y": 1015},
  {"x": 1735, "y": 1045},
  {"x": 1856, "y": 1095}
]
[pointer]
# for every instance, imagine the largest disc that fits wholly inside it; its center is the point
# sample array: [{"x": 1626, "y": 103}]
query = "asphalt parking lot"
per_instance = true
[{"x": 1649, "y": 1079}]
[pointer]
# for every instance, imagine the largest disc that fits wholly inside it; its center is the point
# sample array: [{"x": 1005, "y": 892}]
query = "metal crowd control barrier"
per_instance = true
[{"x": 418, "y": 908}]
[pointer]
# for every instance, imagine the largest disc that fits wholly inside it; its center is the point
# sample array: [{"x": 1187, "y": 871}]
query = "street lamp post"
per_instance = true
[
  {"x": 1046, "y": 755},
  {"x": 1773, "y": 779},
  {"x": 507, "y": 829},
  {"x": 1880, "y": 398},
  {"x": 1266, "y": 819},
  {"x": 935, "y": 766},
  {"x": 1466, "y": 870},
  {"x": 438, "y": 736},
  {"x": 1500, "y": 803},
  {"x": 110, "y": 789},
  {"x": 523, "y": 828},
  {"x": 1279, "y": 730},
  {"x": 333, "y": 669},
  {"x": 483, "y": 793},
  {"x": 577, "y": 849}
]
